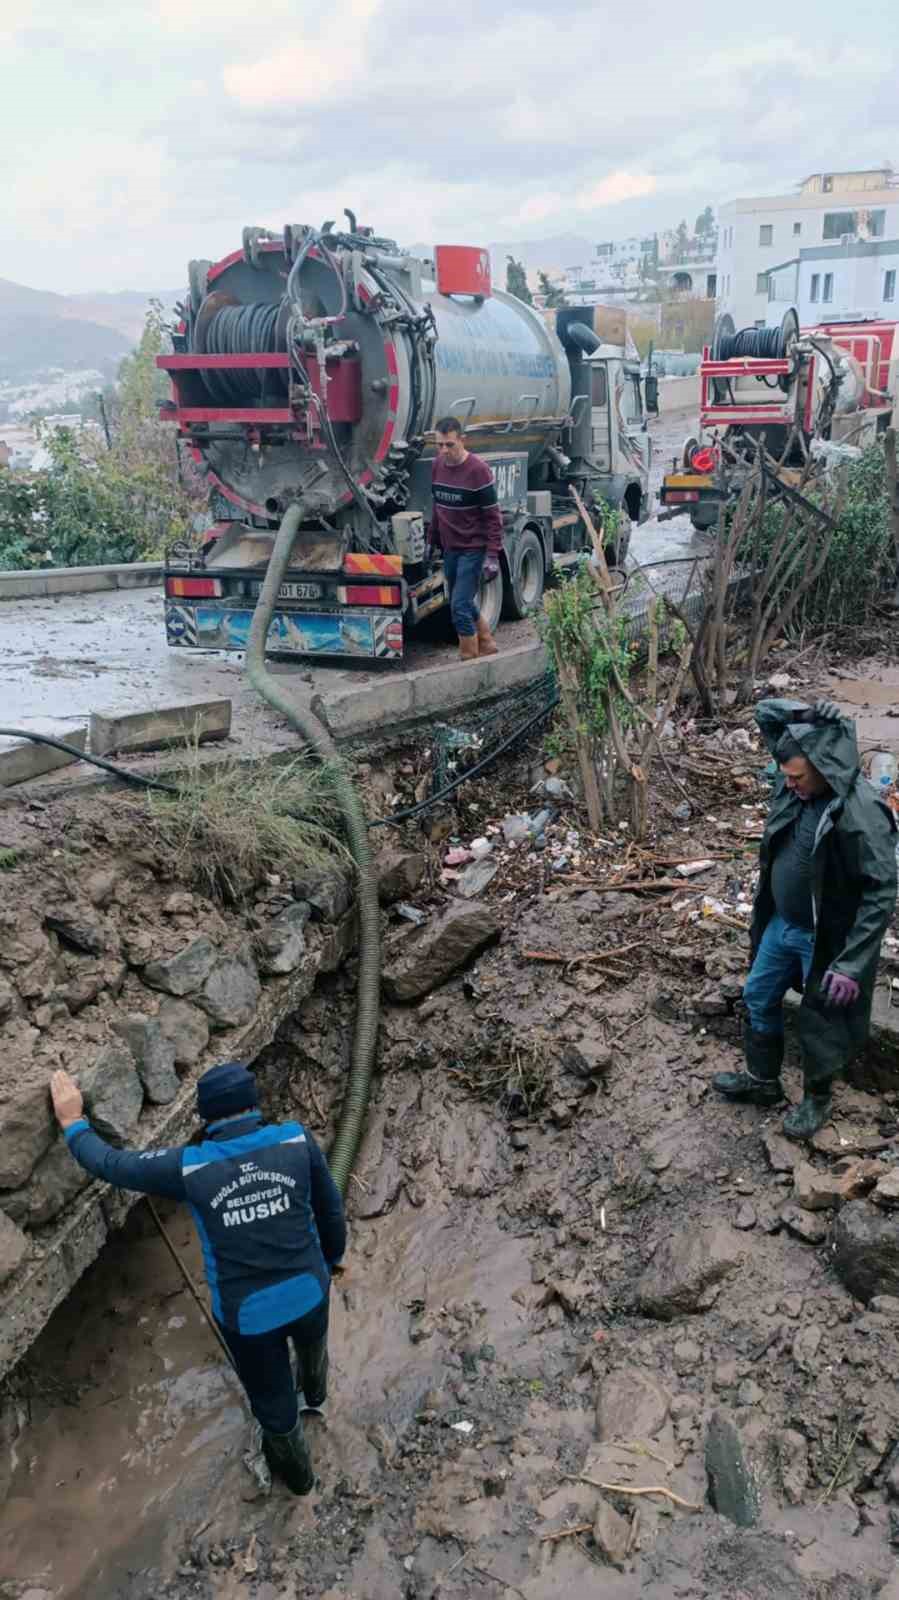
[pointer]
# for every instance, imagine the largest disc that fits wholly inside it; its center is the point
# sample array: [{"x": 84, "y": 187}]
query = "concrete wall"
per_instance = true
[
  {"x": 678, "y": 394},
  {"x": 40, "y": 581}
]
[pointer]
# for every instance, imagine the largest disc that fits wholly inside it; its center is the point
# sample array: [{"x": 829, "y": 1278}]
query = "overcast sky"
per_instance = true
[{"x": 139, "y": 133}]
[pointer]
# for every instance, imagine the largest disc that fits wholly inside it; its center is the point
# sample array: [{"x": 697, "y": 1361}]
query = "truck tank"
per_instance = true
[{"x": 314, "y": 364}]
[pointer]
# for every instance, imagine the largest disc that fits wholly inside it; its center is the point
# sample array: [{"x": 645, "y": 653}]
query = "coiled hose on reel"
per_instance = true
[{"x": 352, "y": 1117}]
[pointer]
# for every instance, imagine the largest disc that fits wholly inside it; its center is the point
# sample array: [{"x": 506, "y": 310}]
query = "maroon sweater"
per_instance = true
[{"x": 465, "y": 513}]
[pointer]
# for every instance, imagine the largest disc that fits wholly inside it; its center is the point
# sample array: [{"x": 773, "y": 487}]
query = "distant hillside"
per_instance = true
[
  {"x": 34, "y": 343},
  {"x": 42, "y": 332}
]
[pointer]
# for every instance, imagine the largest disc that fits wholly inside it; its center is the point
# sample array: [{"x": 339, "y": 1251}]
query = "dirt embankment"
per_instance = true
[{"x": 569, "y": 1262}]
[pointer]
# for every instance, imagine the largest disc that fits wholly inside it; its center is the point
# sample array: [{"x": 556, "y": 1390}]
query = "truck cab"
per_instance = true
[{"x": 621, "y": 446}]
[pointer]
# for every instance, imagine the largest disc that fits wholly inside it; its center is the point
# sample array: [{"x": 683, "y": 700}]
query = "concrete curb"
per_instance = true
[
  {"x": 358, "y": 713},
  {"x": 45, "y": 582}
]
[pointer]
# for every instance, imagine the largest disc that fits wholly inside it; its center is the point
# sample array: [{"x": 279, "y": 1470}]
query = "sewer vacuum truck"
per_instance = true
[{"x": 310, "y": 367}]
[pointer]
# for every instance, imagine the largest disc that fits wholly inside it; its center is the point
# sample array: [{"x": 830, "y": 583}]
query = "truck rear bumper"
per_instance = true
[{"x": 350, "y": 632}]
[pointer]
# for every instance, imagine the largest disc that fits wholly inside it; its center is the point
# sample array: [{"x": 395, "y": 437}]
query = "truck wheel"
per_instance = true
[
  {"x": 490, "y": 601},
  {"x": 527, "y": 576}
]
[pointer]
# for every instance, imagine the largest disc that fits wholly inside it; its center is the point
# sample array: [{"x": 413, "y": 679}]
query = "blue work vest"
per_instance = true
[{"x": 250, "y": 1199}]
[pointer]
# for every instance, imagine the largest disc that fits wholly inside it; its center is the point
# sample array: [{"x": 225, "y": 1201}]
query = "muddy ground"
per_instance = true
[{"x": 568, "y": 1260}]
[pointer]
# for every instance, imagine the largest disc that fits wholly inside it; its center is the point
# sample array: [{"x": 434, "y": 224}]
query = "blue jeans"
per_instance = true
[
  {"x": 463, "y": 577},
  {"x": 262, "y": 1361},
  {"x": 783, "y": 959}
]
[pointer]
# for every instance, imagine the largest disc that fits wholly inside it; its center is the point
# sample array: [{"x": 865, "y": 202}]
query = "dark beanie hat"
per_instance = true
[{"x": 225, "y": 1090}]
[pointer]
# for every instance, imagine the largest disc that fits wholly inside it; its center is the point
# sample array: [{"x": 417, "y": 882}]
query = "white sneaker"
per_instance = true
[{"x": 317, "y": 1411}]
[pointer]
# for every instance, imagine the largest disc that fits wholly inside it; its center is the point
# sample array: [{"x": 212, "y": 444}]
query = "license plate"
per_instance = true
[{"x": 294, "y": 591}]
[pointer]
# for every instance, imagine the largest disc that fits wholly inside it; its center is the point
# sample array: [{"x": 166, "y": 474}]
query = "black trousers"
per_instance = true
[{"x": 263, "y": 1366}]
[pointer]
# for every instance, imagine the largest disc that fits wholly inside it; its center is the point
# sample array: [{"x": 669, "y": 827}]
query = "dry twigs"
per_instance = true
[{"x": 626, "y": 1488}]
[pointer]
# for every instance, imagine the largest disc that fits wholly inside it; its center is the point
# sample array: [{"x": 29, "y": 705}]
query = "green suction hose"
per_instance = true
[{"x": 308, "y": 725}]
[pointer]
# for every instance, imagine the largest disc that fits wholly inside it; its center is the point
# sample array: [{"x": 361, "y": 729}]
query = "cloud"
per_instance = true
[
  {"x": 618, "y": 186},
  {"x": 307, "y": 71},
  {"x": 168, "y": 124}
]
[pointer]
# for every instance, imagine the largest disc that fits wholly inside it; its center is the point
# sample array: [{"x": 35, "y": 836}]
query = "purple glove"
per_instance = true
[
  {"x": 490, "y": 568},
  {"x": 839, "y": 991}
]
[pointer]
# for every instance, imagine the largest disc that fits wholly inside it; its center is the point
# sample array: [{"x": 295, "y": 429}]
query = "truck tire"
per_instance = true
[
  {"x": 490, "y": 600},
  {"x": 527, "y": 576}
]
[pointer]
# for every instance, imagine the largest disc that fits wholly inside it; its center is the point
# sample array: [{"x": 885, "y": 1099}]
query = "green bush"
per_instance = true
[
  {"x": 860, "y": 557},
  {"x": 94, "y": 503}
]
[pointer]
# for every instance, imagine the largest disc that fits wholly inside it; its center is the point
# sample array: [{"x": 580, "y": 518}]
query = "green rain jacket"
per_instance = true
[{"x": 853, "y": 882}]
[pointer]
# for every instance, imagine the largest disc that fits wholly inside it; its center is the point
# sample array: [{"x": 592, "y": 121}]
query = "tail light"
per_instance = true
[
  {"x": 193, "y": 588},
  {"x": 369, "y": 594},
  {"x": 679, "y": 497},
  {"x": 704, "y": 459}
]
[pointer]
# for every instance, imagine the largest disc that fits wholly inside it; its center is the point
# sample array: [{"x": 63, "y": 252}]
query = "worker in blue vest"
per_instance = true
[{"x": 272, "y": 1227}]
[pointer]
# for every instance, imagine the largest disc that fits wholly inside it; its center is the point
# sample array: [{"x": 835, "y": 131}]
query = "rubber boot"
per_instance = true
[
  {"x": 805, "y": 1119},
  {"x": 288, "y": 1455},
  {"x": 487, "y": 645},
  {"x": 312, "y": 1388},
  {"x": 760, "y": 1084},
  {"x": 468, "y": 646}
]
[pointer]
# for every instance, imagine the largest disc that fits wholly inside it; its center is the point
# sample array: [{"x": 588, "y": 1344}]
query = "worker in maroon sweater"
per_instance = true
[{"x": 467, "y": 526}]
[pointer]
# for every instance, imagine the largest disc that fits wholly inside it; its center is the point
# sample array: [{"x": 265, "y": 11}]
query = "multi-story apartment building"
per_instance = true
[{"x": 831, "y": 209}]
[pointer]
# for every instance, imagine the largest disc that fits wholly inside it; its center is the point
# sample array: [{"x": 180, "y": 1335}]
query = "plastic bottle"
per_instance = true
[{"x": 883, "y": 769}]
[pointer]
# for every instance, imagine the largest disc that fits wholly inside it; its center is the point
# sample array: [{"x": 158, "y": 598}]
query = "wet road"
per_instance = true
[{"x": 62, "y": 659}]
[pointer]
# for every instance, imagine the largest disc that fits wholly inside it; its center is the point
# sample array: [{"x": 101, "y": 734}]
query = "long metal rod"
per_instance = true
[{"x": 182, "y": 1268}]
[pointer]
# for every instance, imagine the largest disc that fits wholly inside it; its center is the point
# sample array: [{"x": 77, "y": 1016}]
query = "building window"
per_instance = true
[
  {"x": 711, "y": 283},
  {"x": 870, "y": 224},
  {"x": 761, "y": 283},
  {"x": 766, "y": 233},
  {"x": 797, "y": 229},
  {"x": 827, "y": 295},
  {"x": 889, "y": 284},
  {"x": 815, "y": 288}
]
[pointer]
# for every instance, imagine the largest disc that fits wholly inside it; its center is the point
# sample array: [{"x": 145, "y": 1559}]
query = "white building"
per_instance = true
[
  {"x": 851, "y": 282},
  {"x": 616, "y": 264},
  {"x": 830, "y": 209}
]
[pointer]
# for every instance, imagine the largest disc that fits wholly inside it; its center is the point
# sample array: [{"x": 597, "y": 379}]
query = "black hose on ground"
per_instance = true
[
  {"x": 308, "y": 725},
  {"x": 135, "y": 778}
]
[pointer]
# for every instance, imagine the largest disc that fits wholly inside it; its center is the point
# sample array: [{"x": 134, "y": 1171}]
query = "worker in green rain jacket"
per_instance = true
[{"x": 827, "y": 890}]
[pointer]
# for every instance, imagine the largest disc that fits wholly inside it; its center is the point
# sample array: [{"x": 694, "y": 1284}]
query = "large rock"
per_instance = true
[
  {"x": 866, "y": 1251},
  {"x": 328, "y": 890},
  {"x": 399, "y": 873},
  {"x": 13, "y": 1248},
  {"x": 732, "y": 1469},
  {"x": 55, "y": 1181},
  {"x": 185, "y": 972},
  {"x": 425, "y": 958},
  {"x": 281, "y": 945},
  {"x": 113, "y": 1094},
  {"x": 818, "y": 1190},
  {"x": 78, "y": 927},
  {"x": 589, "y": 1058},
  {"x": 26, "y": 1131},
  {"x": 187, "y": 1027},
  {"x": 231, "y": 993},
  {"x": 154, "y": 1055},
  {"x": 686, "y": 1266},
  {"x": 611, "y": 1533},
  {"x": 630, "y": 1405}
]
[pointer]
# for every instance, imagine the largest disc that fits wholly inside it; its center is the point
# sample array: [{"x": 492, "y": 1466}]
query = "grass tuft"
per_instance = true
[{"x": 233, "y": 822}]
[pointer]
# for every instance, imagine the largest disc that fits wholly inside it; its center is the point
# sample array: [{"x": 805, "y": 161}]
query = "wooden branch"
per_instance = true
[
  {"x": 625, "y": 1488},
  {"x": 566, "y": 1533}
]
